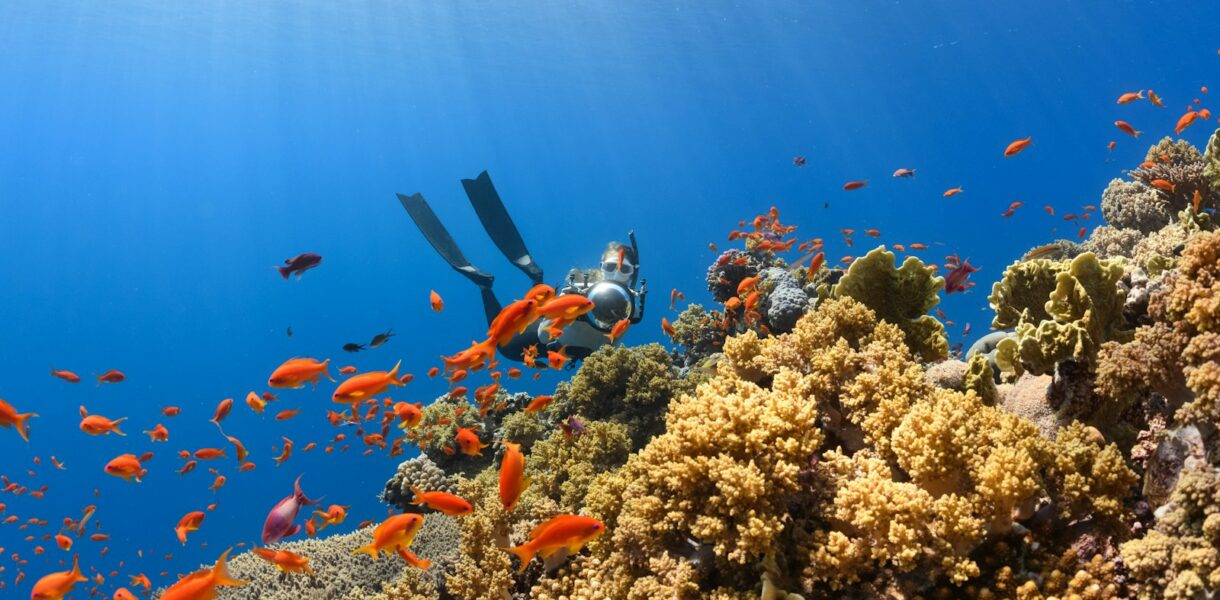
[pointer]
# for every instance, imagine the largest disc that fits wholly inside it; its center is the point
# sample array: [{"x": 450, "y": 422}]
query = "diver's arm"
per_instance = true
[{"x": 643, "y": 293}]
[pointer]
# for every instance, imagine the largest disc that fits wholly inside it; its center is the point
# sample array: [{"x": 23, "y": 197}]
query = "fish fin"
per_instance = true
[
  {"x": 295, "y": 530},
  {"x": 220, "y": 574},
  {"x": 370, "y": 550},
  {"x": 116, "y": 426},
  {"x": 549, "y": 552},
  {"x": 284, "y": 272},
  {"x": 23, "y": 428},
  {"x": 418, "y": 493},
  {"x": 394, "y": 374},
  {"x": 524, "y": 552},
  {"x": 326, "y": 370}
]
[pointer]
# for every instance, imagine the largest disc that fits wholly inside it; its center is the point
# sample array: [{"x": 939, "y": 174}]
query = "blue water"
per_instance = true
[{"x": 160, "y": 158}]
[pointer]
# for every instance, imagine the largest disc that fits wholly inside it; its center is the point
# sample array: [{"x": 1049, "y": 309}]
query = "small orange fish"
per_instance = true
[
  {"x": 1196, "y": 202},
  {"x": 284, "y": 560},
  {"x": 111, "y": 376},
  {"x": 1131, "y": 97},
  {"x": 854, "y": 185},
  {"x": 218, "y": 483},
  {"x": 435, "y": 300},
  {"x": 67, "y": 376},
  {"x": 556, "y": 358},
  {"x": 953, "y": 192},
  {"x": 1050, "y": 210},
  {"x": 1163, "y": 185},
  {"x": 64, "y": 542},
  {"x": 57, "y": 585},
  {"x": 10, "y": 418},
  {"x": 124, "y": 594},
  {"x": 333, "y": 515},
  {"x": 201, "y": 585},
  {"x": 918, "y": 246},
  {"x": 1185, "y": 121},
  {"x": 1127, "y": 129},
  {"x": 563, "y": 531},
  {"x": 1155, "y": 99},
  {"x": 396, "y": 532},
  {"x": 158, "y": 434},
  {"x": 222, "y": 410},
  {"x": 126, "y": 467},
  {"x": 171, "y": 411},
  {"x": 712, "y": 247},
  {"x": 468, "y": 441},
  {"x": 99, "y": 425},
  {"x": 1080, "y": 234},
  {"x": 872, "y": 233},
  {"x": 411, "y": 559},
  {"x": 444, "y": 502},
  {"x": 1110, "y": 146},
  {"x": 1205, "y": 114},
  {"x": 284, "y": 415},
  {"x": 366, "y": 385},
  {"x": 513, "y": 481},
  {"x": 295, "y": 373},
  {"x": 619, "y": 329},
  {"x": 285, "y": 454},
  {"x": 667, "y": 328},
  {"x": 409, "y": 414},
  {"x": 189, "y": 523},
  {"x": 539, "y": 403},
  {"x": 348, "y": 370},
  {"x": 1016, "y": 147},
  {"x": 188, "y": 467},
  {"x": 209, "y": 453},
  {"x": 747, "y": 284}
]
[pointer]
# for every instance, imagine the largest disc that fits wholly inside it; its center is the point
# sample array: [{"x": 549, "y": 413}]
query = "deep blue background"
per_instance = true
[{"x": 159, "y": 158}]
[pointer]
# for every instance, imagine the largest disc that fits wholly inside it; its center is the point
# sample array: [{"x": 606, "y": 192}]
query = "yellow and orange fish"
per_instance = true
[
  {"x": 333, "y": 515},
  {"x": 1127, "y": 129},
  {"x": 189, "y": 523},
  {"x": 949, "y": 193},
  {"x": 158, "y": 434},
  {"x": 435, "y": 300},
  {"x": 395, "y": 533},
  {"x": 296, "y": 372},
  {"x": 409, "y": 414},
  {"x": 1131, "y": 97},
  {"x": 468, "y": 442},
  {"x": 57, "y": 585},
  {"x": 202, "y": 584},
  {"x": 443, "y": 502},
  {"x": 1017, "y": 146},
  {"x": 99, "y": 425},
  {"x": 286, "y": 561},
  {"x": 367, "y": 385},
  {"x": 126, "y": 467},
  {"x": 10, "y": 418},
  {"x": 513, "y": 481},
  {"x": 563, "y": 531}
]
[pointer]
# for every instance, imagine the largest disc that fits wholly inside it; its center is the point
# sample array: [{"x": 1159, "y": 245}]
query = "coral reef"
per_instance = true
[
  {"x": 419, "y": 472},
  {"x": 1190, "y": 300},
  {"x": 628, "y": 385},
  {"x": 785, "y": 299},
  {"x": 562, "y": 468},
  {"x": 694, "y": 335},
  {"x": 1179, "y": 558},
  {"x": 900, "y": 295}
]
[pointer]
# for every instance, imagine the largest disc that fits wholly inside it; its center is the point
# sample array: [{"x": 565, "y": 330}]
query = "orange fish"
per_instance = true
[
  {"x": 209, "y": 453},
  {"x": 285, "y": 454},
  {"x": 411, "y": 559},
  {"x": 435, "y": 300},
  {"x": 171, "y": 411},
  {"x": 1110, "y": 146},
  {"x": 563, "y": 531},
  {"x": 556, "y": 358},
  {"x": 392, "y": 534},
  {"x": 295, "y": 373},
  {"x": 1080, "y": 234},
  {"x": 468, "y": 442},
  {"x": 222, "y": 410},
  {"x": 949, "y": 193},
  {"x": 1196, "y": 202},
  {"x": 284, "y": 560},
  {"x": 141, "y": 580},
  {"x": 333, "y": 515},
  {"x": 872, "y": 233},
  {"x": 284, "y": 415},
  {"x": 10, "y": 418},
  {"x": 218, "y": 483},
  {"x": 1163, "y": 185},
  {"x": 854, "y": 185},
  {"x": 1127, "y": 129},
  {"x": 1016, "y": 147},
  {"x": 189, "y": 523},
  {"x": 158, "y": 434},
  {"x": 747, "y": 284},
  {"x": 1185, "y": 121},
  {"x": 513, "y": 481},
  {"x": 1131, "y": 97},
  {"x": 67, "y": 376},
  {"x": 99, "y": 425},
  {"x": 918, "y": 246},
  {"x": 539, "y": 403},
  {"x": 111, "y": 376},
  {"x": 57, "y": 585},
  {"x": 815, "y": 264},
  {"x": 188, "y": 467},
  {"x": 64, "y": 542},
  {"x": 366, "y": 385},
  {"x": 127, "y": 467},
  {"x": 348, "y": 370},
  {"x": 441, "y": 501},
  {"x": 255, "y": 402},
  {"x": 202, "y": 584},
  {"x": 124, "y": 594},
  {"x": 667, "y": 328},
  {"x": 1205, "y": 114},
  {"x": 409, "y": 414}
]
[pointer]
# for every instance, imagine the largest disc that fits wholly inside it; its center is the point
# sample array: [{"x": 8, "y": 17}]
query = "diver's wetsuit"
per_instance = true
[{"x": 500, "y": 227}]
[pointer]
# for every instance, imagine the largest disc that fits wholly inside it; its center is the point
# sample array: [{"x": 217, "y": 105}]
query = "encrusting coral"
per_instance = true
[{"x": 900, "y": 295}]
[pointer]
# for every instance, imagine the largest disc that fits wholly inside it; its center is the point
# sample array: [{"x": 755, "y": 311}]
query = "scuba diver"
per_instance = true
[{"x": 611, "y": 285}]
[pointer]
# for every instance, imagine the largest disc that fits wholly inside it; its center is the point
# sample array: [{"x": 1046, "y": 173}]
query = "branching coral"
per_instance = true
[
  {"x": 1180, "y": 557},
  {"x": 1092, "y": 476},
  {"x": 1190, "y": 300},
  {"x": 631, "y": 385},
  {"x": 900, "y": 295},
  {"x": 562, "y": 468}
]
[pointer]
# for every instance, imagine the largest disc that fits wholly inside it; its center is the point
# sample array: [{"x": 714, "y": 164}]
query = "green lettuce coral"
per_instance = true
[
  {"x": 900, "y": 295},
  {"x": 1081, "y": 312}
]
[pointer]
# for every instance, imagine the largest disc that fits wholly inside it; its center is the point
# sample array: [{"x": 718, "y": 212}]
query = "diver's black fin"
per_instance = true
[
  {"x": 439, "y": 237},
  {"x": 499, "y": 225}
]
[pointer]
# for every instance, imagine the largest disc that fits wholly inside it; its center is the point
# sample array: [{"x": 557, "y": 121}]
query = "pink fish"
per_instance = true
[
  {"x": 960, "y": 271},
  {"x": 279, "y": 523}
]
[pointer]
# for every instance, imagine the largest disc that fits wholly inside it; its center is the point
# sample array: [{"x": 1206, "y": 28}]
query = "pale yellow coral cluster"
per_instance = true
[{"x": 1191, "y": 302}]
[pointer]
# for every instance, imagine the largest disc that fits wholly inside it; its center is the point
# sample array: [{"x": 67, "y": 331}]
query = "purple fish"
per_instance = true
[
  {"x": 279, "y": 523},
  {"x": 299, "y": 264},
  {"x": 959, "y": 272}
]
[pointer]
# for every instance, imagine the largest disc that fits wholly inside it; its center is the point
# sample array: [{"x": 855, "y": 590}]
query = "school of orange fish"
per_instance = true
[{"x": 357, "y": 396}]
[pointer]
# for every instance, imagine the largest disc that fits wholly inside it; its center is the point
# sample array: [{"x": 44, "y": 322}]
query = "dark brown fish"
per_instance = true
[{"x": 299, "y": 264}]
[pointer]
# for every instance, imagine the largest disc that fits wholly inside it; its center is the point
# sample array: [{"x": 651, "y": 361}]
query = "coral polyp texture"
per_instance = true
[{"x": 811, "y": 436}]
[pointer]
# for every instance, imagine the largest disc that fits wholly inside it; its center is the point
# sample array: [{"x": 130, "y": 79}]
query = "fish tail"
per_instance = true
[
  {"x": 284, "y": 272},
  {"x": 525, "y": 552},
  {"x": 220, "y": 574},
  {"x": 115, "y": 427},
  {"x": 23, "y": 428},
  {"x": 325, "y": 371},
  {"x": 394, "y": 374},
  {"x": 76, "y": 574},
  {"x": 418, "y": 493},
  {"x": 370, "y": 550}
]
